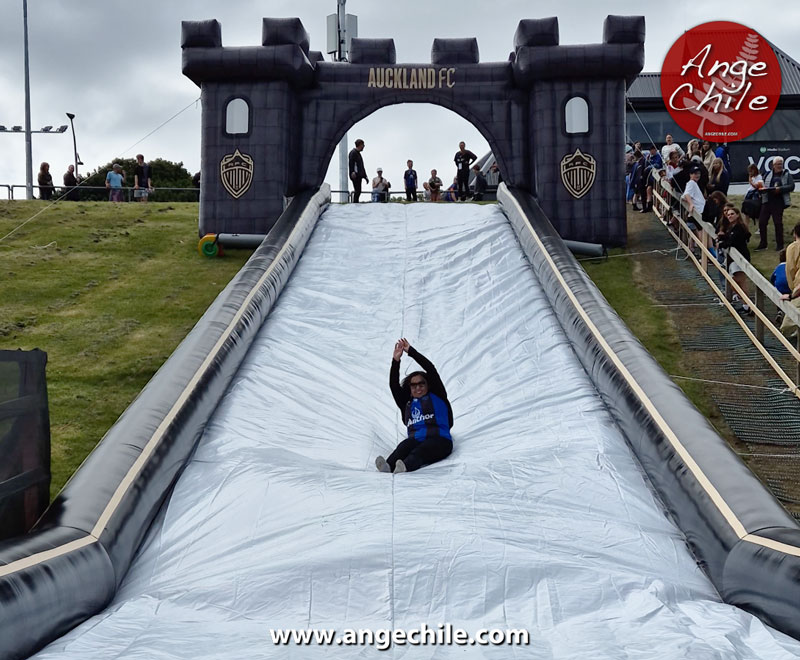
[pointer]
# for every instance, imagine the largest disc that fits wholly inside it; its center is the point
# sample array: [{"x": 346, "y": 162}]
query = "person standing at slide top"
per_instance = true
[
  {"x": 356, "y": 169},
  {"x": 463, "y": 159},
  {"x": 426, "y": 412},
  {"x": 410, "y": 179}
]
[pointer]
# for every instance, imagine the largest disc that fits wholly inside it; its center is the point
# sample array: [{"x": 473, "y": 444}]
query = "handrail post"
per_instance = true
[
  {"x": 684, "y": 233},
  {"x": 759, "y": 322},
  {"x": 728, "y": 287},
  {"x": 797, "y": 375},
  {"x": 703, "y": 256}
]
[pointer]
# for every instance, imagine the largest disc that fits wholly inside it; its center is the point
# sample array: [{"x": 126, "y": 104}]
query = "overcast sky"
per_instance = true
[{"x": 118, "y": 68}]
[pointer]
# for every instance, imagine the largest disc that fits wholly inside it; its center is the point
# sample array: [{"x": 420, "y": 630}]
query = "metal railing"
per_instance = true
[
  {"x": 366, "y": 195},
  {"x": 671, "y": 210},
  {"x": 62, "y": 192}
]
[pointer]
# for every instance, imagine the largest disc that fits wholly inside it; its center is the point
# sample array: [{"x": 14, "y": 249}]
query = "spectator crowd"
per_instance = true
[
  {"x": 700, "y": 176},
  {"x": 114, "y": 182}
]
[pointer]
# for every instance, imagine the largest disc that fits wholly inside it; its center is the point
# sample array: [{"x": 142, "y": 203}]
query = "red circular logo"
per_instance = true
[{"x": 721, "y": 81}]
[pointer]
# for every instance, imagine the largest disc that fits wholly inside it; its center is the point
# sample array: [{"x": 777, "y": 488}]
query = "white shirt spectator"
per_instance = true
[
  {"x": 693, "y": 191},
  {"x": 754, "y": 181},
  {"x": 672, "y": 171},
  {"x": 667, "y": 148}
]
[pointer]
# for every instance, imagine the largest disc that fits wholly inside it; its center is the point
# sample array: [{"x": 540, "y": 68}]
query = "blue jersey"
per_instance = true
[
  {"x": 430, "y": 416},
  {"x": 427, "y": 417},
  {"x": 410, "y": 177}
]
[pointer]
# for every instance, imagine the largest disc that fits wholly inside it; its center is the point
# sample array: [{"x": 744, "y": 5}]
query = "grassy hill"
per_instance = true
[{"x": 108, "y": 291}]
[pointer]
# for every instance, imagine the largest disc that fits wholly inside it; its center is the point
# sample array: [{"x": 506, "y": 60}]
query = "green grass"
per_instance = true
[{"x": 108, "y": 291}]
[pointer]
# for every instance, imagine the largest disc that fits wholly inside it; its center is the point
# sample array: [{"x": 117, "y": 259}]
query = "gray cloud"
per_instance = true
[{"x": 117, "y": 67}]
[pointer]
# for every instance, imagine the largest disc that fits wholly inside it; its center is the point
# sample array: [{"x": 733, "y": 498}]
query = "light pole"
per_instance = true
[
  {"x": 18, "y": 130},
  {"x": 74, "y": 143},
  {"x": 28, "y": 149}
]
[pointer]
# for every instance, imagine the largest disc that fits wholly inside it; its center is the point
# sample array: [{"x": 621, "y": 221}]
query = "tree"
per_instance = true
[{"x": 163, "y": 173}]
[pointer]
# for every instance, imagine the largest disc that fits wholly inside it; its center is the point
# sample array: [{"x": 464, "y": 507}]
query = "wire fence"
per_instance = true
[
  {"x": 421, "y": 195},
  {"x": 99, "y": 193}
]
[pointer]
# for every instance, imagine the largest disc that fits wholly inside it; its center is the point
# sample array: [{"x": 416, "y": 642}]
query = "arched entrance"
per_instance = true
[
  {"x": 553, "y": 115},
  {"x": 424, "y": 133}
]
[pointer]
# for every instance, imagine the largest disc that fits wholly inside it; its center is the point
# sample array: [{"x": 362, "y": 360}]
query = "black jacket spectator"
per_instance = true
[
  {"x": 682, "y": 178},
  {"x": 45, "y": 181},
  {"x": 718, "y": 178},
  {"x": 713, "y": 210},
  {"x": 737, "y": 236}
]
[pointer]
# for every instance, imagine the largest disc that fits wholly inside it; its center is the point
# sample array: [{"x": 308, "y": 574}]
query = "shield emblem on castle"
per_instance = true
[
  {"x": 578, "y": 172},
  {"x": 236, "y": 173}
]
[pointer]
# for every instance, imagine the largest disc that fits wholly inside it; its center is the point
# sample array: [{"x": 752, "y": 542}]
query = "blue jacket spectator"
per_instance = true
[
  {"x": 723, "y": 154},
  {"x": 778, "y": 278}
]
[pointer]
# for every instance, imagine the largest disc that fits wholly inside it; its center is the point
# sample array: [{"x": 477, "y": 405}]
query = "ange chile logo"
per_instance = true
[{"x": 721, "y": 81}]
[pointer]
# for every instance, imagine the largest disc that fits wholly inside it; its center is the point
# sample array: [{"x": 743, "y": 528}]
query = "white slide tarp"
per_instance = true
[{"x": 540, "y": 519}]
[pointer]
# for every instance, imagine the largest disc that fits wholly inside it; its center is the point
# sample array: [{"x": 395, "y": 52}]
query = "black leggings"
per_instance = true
[
  {"x": 773, "y": 207},
  {"x": 415, "y": 454}
]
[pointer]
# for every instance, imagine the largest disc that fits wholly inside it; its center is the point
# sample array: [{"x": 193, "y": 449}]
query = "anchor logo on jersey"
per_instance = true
[
  {"x": 578, "y": 172},
  {"x": 236, "y": 173}
]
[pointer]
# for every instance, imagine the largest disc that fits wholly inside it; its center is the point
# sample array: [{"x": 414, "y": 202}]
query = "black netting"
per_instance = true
[
  {"x": 763, "y": 415},
  {"x": 24, "y": 441}
]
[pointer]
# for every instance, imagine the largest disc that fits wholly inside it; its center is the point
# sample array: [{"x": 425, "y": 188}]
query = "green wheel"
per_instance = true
[{"x": 208, "y": 246}]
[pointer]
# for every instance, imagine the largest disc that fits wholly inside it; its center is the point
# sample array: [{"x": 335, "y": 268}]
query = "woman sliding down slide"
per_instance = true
[{"x": 426, "y": 411}]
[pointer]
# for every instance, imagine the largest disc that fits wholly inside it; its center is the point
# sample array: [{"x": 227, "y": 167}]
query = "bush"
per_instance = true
[{"x": 163, "y": 174}]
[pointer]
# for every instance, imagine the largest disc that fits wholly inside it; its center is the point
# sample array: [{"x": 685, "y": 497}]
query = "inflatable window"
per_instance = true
[
  {"x": 237, "y": 117},
  {"x": 576, "y": 115}
]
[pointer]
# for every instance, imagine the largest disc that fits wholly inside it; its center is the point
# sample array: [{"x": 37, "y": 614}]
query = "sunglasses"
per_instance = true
[{"x": 420, "y": 383}]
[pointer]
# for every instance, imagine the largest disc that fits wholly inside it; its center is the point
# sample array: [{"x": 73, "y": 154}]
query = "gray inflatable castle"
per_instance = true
[{"x": 553, "y": 115}]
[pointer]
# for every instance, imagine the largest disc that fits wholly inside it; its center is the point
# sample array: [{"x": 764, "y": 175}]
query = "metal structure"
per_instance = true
[
  {"x": 74, "y": 143},
  {"x": 28, "y": 145},
  {"x": 27, "y": 129},
  {"x": 342, "y": 27}
]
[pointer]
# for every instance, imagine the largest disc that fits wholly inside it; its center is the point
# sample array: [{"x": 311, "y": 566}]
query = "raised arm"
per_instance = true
[
  {"x": 434, "y": 379},
  {"x": 394, "y": 378}
]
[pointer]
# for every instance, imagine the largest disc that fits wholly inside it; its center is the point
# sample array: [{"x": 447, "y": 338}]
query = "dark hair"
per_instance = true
[
  {"x": 739, "y": 217},
  {"x": 796, "y": 230},
  {"x": 782, "y": 255},
  {"x": 405, "y": 384},
  {"x": 717, "y": 202},
  {"x": 719, "y": 197},
  {"x": 359, "y": 142}
]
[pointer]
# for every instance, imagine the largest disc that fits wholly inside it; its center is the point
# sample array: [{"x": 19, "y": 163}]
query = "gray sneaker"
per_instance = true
[
  {"x": 382, "y": 465},
  {"x": 399, "y": 467}
]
